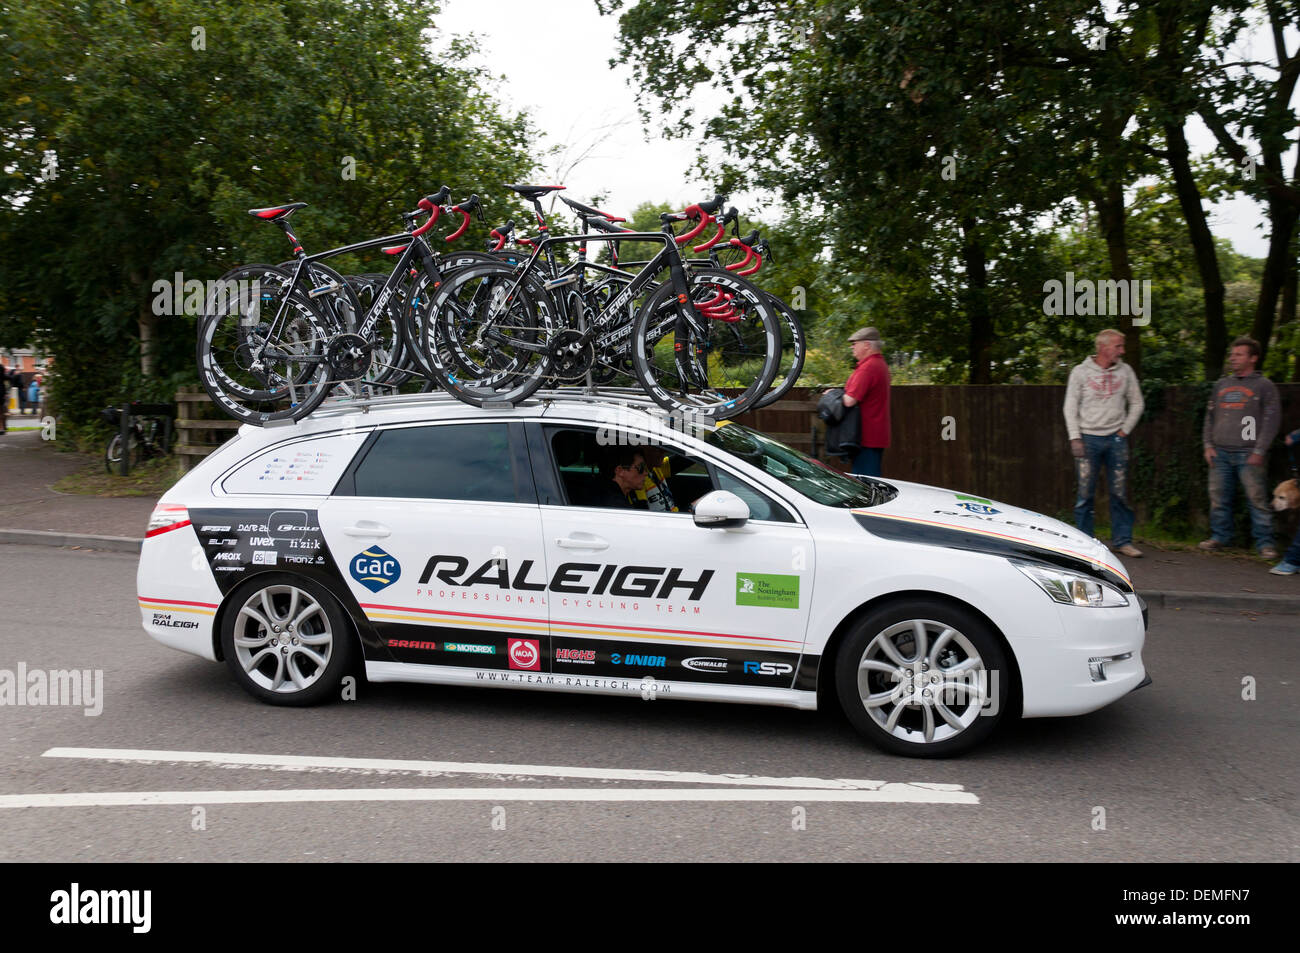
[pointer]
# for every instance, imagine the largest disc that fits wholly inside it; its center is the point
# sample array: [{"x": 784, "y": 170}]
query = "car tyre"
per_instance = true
[
  {"x": 287, "y": 640},
  {"x": 923, "y": 678}
]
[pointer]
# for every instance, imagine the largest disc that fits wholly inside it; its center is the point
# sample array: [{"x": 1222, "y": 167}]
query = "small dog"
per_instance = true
[{"x": 1287, "y": 496}]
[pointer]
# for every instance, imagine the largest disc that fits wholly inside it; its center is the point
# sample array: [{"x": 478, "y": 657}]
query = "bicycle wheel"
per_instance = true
[
  {"x": 735, "y": 342},
  {"x": 262, "y": 348},
  {"x": 113, "y": 453},
  {"x": 483, "y": 338},
  {"x": 793, "y": 350},
  {"x": 413, "y": 298}
]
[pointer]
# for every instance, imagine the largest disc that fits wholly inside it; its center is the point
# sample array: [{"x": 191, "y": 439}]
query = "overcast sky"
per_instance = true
[{"x": 581, "y": 104}]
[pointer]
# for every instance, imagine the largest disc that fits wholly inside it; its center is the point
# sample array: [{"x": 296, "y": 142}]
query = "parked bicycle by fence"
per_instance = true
[{"x": 149, "y": 433}]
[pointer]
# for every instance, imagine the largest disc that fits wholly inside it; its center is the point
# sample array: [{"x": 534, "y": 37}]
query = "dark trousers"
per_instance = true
[{"x": 868, "y": 461}]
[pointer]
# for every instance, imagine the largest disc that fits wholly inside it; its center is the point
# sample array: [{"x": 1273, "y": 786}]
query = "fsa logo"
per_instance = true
[{"x": 768, "y": 668}]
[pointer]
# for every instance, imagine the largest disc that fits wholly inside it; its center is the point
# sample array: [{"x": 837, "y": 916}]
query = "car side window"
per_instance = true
[
  {"x": 625, "y": 473},
  {"x": 761, "y": 506},
  {"x": 448, "y": 462},
  {"x": 673, "y": 478}
]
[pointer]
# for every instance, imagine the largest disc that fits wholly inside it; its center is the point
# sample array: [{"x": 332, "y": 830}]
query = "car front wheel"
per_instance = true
[
  {"x": 286, "y": 640},
  {"x": 923, "y": 678}
]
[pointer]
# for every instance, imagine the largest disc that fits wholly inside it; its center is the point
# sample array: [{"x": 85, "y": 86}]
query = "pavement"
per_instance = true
[{"x": 33, "y": 513}]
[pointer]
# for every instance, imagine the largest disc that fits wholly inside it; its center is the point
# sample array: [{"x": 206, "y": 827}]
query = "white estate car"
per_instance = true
[{"x": 424, "y": 540}]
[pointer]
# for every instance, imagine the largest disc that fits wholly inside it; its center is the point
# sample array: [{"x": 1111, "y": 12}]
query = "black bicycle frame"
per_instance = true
[
  {"x": 669, "y": 258},
  {"x": 416, "y": 247}
]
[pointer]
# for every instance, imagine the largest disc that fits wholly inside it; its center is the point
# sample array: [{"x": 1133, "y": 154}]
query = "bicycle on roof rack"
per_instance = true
[
  {"x": 742, "y": 255},
  {"x": 486, "y": 315},
  {"x": 274, "y": 341}
]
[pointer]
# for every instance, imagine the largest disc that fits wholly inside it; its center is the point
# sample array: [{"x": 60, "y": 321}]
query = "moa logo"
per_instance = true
[{"x": 375, "y": 569}]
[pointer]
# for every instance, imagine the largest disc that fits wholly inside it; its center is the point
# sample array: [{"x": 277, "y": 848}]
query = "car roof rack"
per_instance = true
[{"x": 336, "y": 407}]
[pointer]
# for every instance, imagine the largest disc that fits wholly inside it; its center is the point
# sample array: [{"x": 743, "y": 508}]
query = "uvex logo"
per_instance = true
[{"x": 375, "y": 569}]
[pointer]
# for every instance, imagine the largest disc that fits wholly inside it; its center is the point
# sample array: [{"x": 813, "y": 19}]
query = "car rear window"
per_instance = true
[{"x": 302, "y": 467}]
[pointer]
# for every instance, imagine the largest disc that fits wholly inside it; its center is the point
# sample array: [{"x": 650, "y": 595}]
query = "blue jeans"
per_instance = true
[
  {"x": 1292, "y": 555},
  {"x": 868, "y": 461},
  {"x": 1112, "y": 453},
  {"x": 1227, "y": 467}
]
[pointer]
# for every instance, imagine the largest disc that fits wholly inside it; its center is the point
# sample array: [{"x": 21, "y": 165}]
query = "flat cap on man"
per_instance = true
[{"x": 865, "y": 334}]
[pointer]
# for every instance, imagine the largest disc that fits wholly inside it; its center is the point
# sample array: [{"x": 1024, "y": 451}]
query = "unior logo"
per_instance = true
[
  {"x": 524, "y": 653},
  {"x": 705, "y": 664},
  {"x": 375, "y": 569},
  {"x": 641, "y": 661}
]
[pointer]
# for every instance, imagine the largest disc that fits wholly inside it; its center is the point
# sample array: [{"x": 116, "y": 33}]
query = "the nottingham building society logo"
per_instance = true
[
  {"x": 768, "y": 590},
  {"x": 375, "y": 569}
]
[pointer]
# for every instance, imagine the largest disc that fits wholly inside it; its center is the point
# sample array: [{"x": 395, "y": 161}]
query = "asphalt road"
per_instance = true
[{"x": 1185, "y": 770}]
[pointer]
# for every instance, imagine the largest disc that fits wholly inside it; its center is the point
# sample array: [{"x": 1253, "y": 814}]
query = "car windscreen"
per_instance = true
[{"x": 799, "y": 472}]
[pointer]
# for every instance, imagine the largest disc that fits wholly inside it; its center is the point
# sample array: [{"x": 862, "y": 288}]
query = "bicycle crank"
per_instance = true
[
  {"x": 349, "y": 356},
  {"x": 572, "y": 355}
]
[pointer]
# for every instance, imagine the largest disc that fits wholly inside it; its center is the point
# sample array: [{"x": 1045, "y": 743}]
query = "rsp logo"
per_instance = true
[
  {"x": 375, "y": 569},
  {"x": 768, "y": 668}
]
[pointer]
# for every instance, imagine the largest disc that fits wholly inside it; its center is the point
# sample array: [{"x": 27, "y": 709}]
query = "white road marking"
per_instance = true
[
  {"x": 890, "y": 794},
  {"x": 775, "y": 789},
  {"x": 919, "y": 791}
]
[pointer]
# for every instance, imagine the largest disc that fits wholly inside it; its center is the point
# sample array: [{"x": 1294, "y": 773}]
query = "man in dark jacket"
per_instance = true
[
  {"x": 4, "y": 395},
  {"x": 1243, "y": 417}
]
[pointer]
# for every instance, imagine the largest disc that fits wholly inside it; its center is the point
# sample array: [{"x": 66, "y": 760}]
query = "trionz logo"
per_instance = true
[
  {"x": 375, "y": 569},
  {"x": 525, "y": 654}
]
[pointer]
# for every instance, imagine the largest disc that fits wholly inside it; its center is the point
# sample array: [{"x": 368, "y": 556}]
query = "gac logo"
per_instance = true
[
  {"x": 768, "y": 668},
  {"x": 375, "y": 569}
]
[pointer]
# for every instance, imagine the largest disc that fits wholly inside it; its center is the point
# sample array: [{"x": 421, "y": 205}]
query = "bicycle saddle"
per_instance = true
[
  {"x": 276, "y": 212},
  {"x": 534, "y": 191}
]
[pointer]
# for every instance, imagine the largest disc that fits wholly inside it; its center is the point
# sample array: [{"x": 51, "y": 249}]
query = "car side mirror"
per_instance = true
[{"x": 720, "y": 509}]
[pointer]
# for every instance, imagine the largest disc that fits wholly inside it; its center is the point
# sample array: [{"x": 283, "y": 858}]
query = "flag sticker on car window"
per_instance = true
[{"x": 767, "y": 590}]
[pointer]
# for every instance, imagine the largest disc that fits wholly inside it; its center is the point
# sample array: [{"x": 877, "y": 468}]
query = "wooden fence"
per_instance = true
[{"x": 1008, "y": 442}]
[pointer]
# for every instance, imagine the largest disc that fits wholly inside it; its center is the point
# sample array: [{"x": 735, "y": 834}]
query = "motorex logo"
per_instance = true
[{"x": 375, "y": 569}]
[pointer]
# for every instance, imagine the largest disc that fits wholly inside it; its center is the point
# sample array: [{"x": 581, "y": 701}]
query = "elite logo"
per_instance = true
[
  {"x": 524, "y": 654},
  {"x": 375, "y": 569}
]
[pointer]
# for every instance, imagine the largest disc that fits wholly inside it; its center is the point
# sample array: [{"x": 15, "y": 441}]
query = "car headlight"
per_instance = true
[{"x": 1070, "y": 588}]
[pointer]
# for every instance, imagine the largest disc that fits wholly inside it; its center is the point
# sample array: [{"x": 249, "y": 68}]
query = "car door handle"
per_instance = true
[
  {"x": 367, "y": 528},
  {"x": 582, "y": 541}
]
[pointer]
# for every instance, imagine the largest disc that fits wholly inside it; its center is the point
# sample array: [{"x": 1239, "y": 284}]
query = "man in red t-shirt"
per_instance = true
[{"x": 868, "y": 385}]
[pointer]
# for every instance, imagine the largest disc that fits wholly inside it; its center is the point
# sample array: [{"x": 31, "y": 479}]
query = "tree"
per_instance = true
[{"x": 138, "y": 135}]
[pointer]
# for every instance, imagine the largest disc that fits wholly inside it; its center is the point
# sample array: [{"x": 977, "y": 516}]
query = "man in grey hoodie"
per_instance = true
[
  {"x": 1103, "y": 404},
  {"x": 1243, "y": 417}
]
